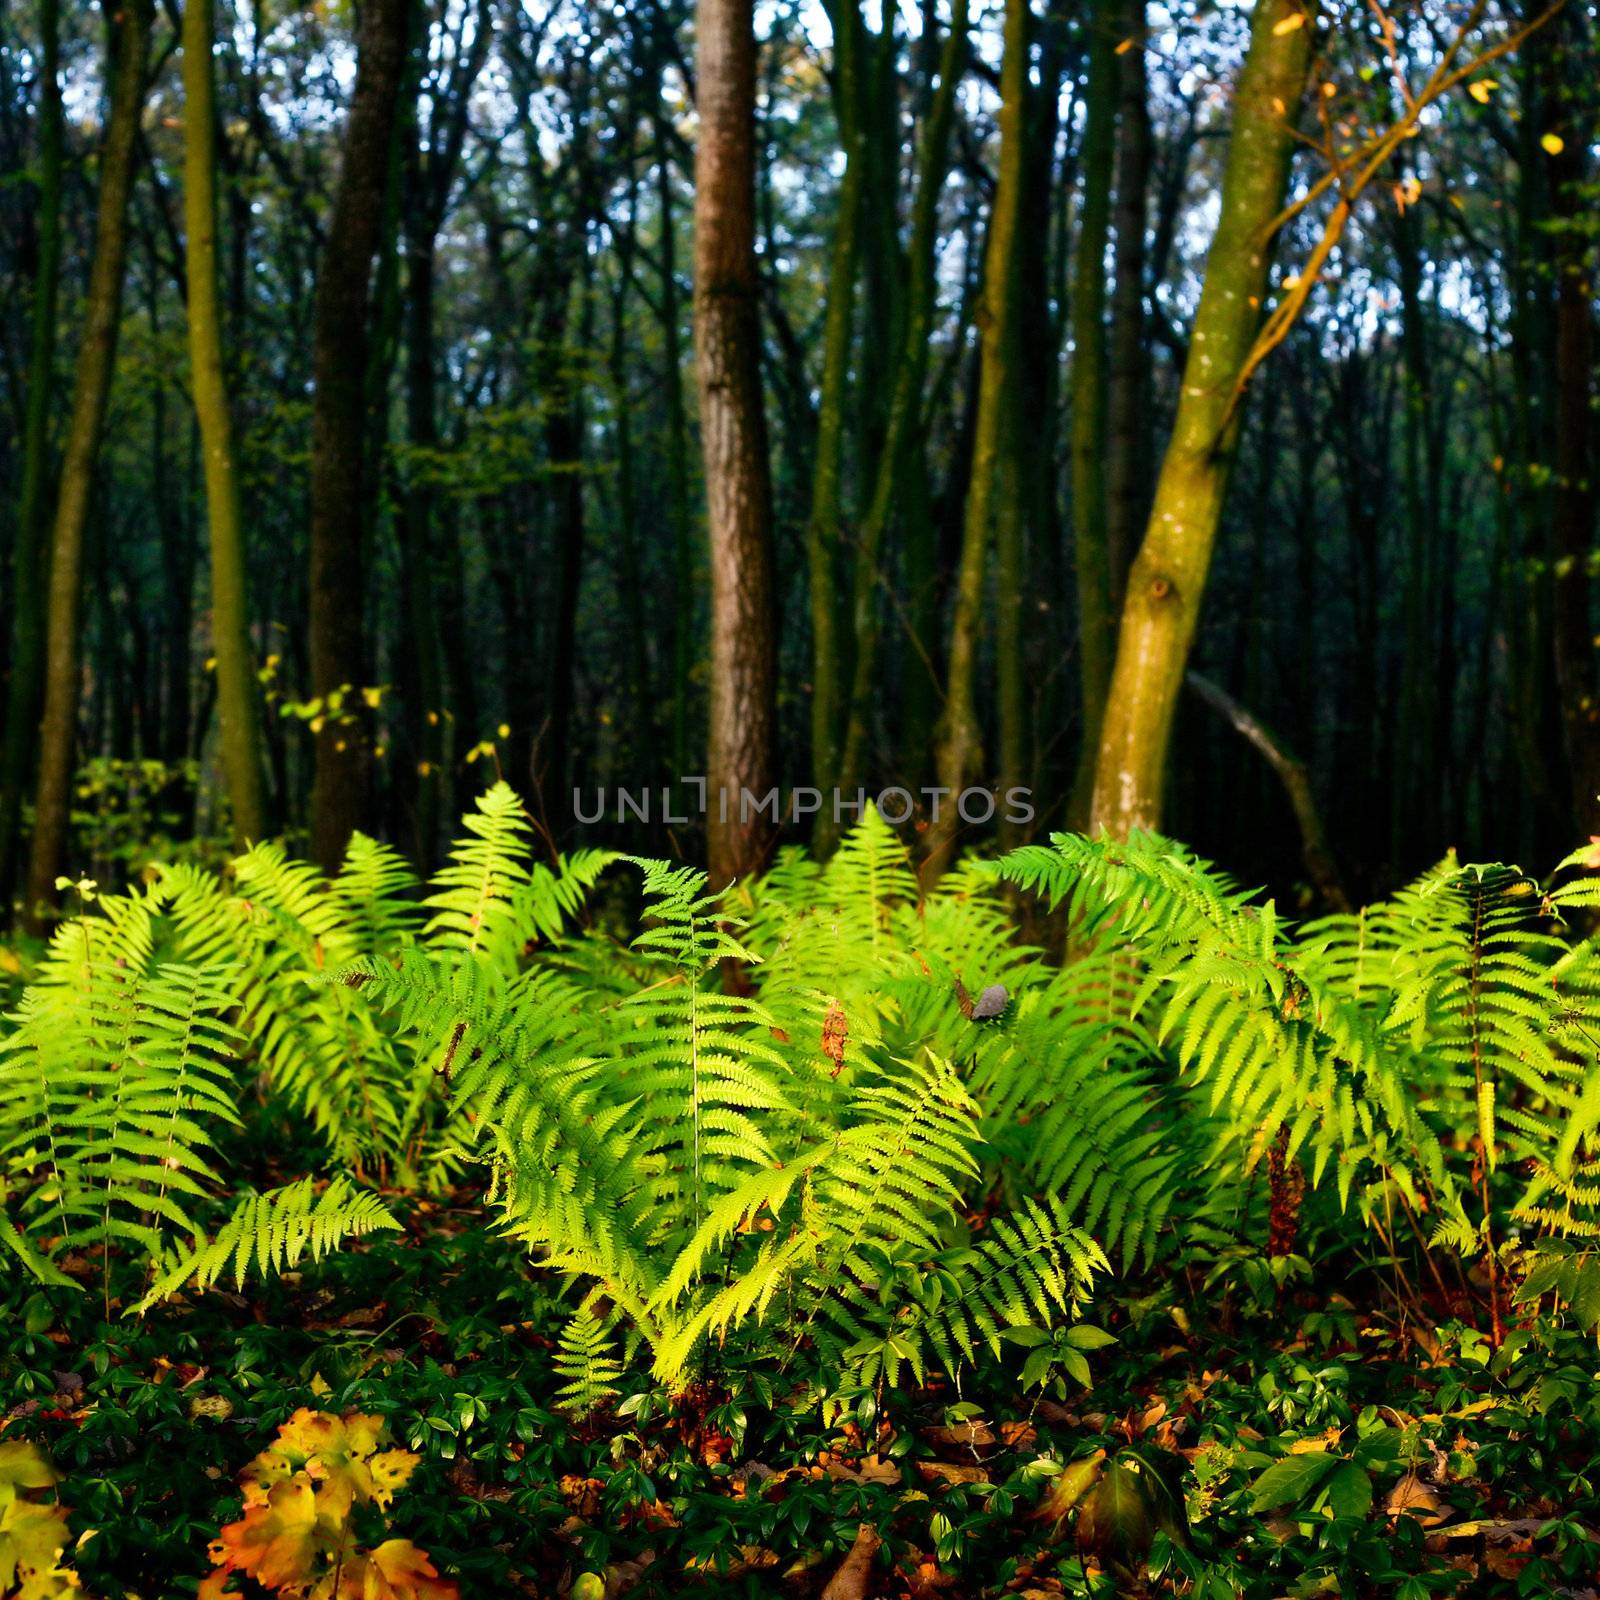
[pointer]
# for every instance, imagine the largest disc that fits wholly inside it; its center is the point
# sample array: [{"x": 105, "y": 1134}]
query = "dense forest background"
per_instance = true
[{"x": 353, "y": 449}]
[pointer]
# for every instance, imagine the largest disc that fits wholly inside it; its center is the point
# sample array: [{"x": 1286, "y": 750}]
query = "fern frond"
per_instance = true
[
  {"x": 586, "y": 1362},
  {"x": 270, "y": 1233}
]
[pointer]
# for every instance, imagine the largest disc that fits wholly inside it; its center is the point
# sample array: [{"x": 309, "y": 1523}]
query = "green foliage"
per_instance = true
[
  {"x": 585, "y": 1360},
  {"x": 804, "y": 1196},
  {"x": 271, "y": 1232},
  {"x": 1430, "y": 1055},
  {"x": 770, "y": 1125},
  {"x": 734, "y": 1177}
]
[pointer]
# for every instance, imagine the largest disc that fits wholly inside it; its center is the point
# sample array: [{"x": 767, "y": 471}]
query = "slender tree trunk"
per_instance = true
[
  {"x": 905, "y": 412},
  {"x": 425, "y": 672},
  {"x": 742, "y": 757},
  {"x": 1573, "y": 497},
  {"x": 1127, "y": 365},
  {"x": 685, "y": 588},
  {"x": 230, "y": 618},
  {"x": 632, "y": 576},
  {"x": 1097, "y": 618},
  {"x": 1168, "y": 576},
  {"x": 823, "y": 530},
  {"x": 91, "y": 389},
  {"x": 340, "y": 483},
  {"x": 28, "y": 573},
  {"x": 960, "y": 739},
  {"x": 561, "y": 389}
]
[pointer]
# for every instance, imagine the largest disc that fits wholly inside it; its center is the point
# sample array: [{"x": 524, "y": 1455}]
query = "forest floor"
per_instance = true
[{"x": 1299, "y": 1446}]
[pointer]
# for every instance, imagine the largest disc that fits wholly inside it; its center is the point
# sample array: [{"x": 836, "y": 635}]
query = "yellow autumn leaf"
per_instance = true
[
  {"x": 1553, "y": 144},
  {"x": 1481, "y": 89},
  {"x": 1295, "y": 19}
]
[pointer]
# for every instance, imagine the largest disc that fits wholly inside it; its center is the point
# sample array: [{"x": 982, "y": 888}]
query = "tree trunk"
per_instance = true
[
  {"x": 28, "y": 565},
  {"x": 905, "y": 410},
  {"x": 1097, "y": 619},
  {"x": 1168, "y": 577},
  {"x": 230, "y": 618},
  {"x": 91, "y": 389},
  {"x": 1573, "y": 497},
  {"x": 823, "y": 530},
  {"x": 340, "y": 483},
  {"x": 685, "y": 588},
  {"x": 1127, "y": 396},
  {"x": 742, "y": 759},
  {"x": 960, "y": 739},
  {"x": 424, "y": 675}
]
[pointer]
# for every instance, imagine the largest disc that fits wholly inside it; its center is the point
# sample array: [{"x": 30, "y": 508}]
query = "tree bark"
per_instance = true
[
  {"x": 742, "y": 757},
  {"x": 685, "y": 587},
  {"x": 1097, "y": 619},
  {"x": 960, "y": 738},
  {"x": 237, "y": 699},
  {"x": 1572, "y": 508},
  {"x": 1296, "y": 780},
  {"x": 340, "y": 481},
  {"x": 91, "y": 390},
  {"x": 905, "y": 406},
  {"x": 28, "y": 573},
  {"x": 1127, "y": 391},
  {"x": 1168, "y": 577},
  {"x": 823, "y": 530}
]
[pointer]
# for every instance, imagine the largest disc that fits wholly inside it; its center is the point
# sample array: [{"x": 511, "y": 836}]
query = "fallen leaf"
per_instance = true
[
  {"x": 947, "y": 1472},
  {"x": 1412, "y": 1497},
  {"x": 850, "y": 1581}
]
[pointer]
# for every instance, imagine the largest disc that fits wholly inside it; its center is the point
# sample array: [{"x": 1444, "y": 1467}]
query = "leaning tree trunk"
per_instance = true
[
  {"x": 1162, "y": 606},
  {"x": 340, "y": 483},
  {"x": 27, "y": 562},
  {"x": 960, "y": 740},
  {"x": 230, "y": 619},
  {"x": 91, "y": 389},
  {"x": 742, "y": 759}
]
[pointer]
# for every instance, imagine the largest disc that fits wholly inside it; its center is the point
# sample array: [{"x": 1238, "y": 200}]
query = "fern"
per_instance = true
[
  {"x": 112, "y": 1093},
  {"x": 270, "y": 1233},
  {"x": 475, "y": 893},
  {"x": 585, "y": 1360}
]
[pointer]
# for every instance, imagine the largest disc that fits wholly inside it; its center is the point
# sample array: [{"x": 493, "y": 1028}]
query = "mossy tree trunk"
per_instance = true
[
  {"x": 237, "y": 698},
  {"x": 91, "y": 390},
  {"x": 1168, "y": 577}
]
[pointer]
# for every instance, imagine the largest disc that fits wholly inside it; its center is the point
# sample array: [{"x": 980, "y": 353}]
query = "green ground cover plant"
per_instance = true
[{"x": 824, "y": 1235}]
